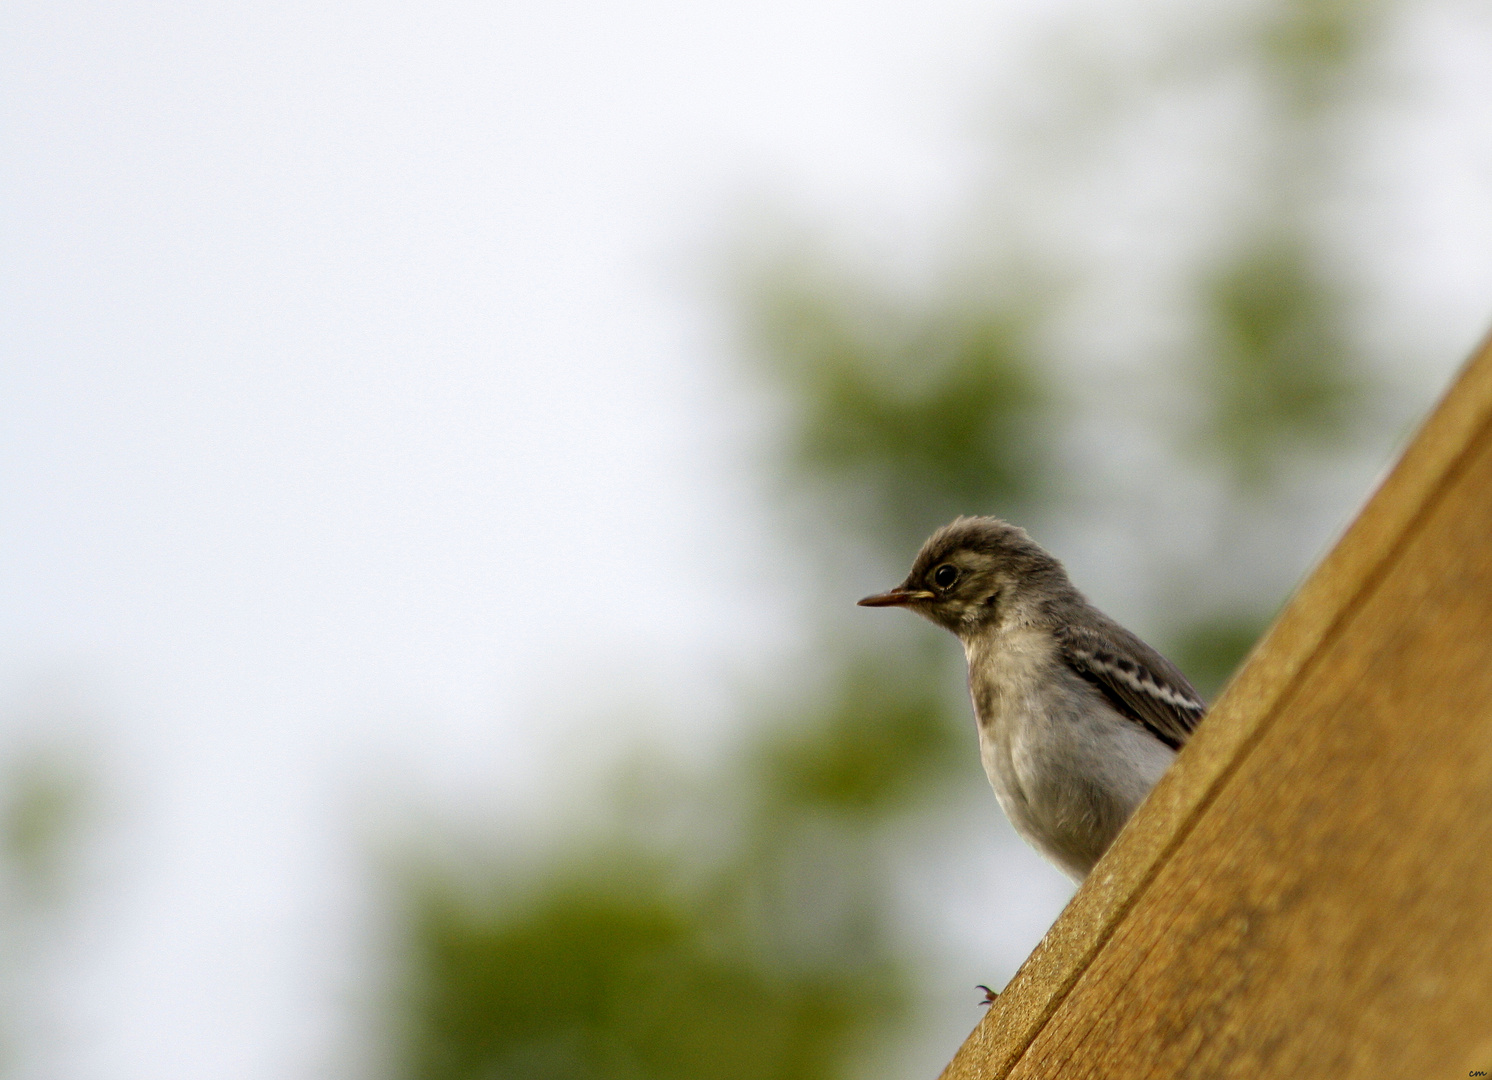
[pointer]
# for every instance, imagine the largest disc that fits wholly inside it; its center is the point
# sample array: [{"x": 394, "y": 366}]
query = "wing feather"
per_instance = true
[{"x": 1139, "y": 682}]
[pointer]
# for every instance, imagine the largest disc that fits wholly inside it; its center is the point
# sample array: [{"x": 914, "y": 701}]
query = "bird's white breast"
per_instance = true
[
  {"x": 1068, "y": 770},
  {"x": 1005, "y": 683}
]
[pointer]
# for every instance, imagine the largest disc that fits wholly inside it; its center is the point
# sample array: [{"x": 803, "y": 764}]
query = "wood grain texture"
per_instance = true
[{"x": 1308, "y": 892}]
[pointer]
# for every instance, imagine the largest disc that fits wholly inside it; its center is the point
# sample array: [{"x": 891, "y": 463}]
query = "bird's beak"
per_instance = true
[{"x": 896, "y": 598}]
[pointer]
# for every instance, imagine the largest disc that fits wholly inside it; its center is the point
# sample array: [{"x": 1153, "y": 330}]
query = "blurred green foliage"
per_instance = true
[
  {"x": 1209, "y": 650},
  {"x": 760, "y": 941},
  {"x": 916, "y": 415},
  {"x": 879, "y": 740},
  {"x": 589, "y": 975},
  {"x": 1309, "y": 47},
  {"x": 44, "y": 800},
  {"x": 761, "y": 949},
  {"x": 45, "y": 792},
  {"x": 1281, "y": 373}
]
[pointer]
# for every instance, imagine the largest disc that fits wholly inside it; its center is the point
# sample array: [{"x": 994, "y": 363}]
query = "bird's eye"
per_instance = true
[{"x": 945, "y": 575}]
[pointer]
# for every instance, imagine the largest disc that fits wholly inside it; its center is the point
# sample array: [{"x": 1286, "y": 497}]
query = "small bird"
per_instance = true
[{"x": 1077, "y": 717}]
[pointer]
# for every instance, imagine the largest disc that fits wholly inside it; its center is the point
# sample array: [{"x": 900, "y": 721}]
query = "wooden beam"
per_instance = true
[{"x": 1308, "y": 892}]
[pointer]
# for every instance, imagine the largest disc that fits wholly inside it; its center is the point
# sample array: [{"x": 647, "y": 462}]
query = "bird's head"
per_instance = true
[{"x": 975, "y": 573}]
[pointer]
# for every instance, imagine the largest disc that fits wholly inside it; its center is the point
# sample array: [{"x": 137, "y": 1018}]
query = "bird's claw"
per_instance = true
[{"x": 989, "y": 995}]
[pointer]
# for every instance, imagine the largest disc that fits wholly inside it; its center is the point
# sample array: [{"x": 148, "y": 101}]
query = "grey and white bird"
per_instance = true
[{"x": 1077, "y": 717}]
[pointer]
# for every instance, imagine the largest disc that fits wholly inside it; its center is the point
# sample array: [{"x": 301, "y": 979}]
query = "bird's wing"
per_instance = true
[{"x": 1138, "y": 682}]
